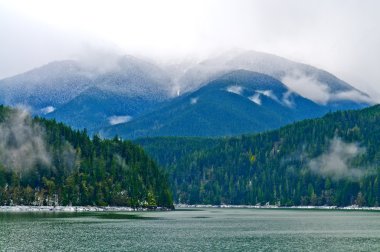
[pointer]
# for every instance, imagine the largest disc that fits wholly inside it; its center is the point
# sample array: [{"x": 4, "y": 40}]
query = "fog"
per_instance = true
[
  {"x": 339, "y": 36},
  {"x": 22, "y": 143},
  {"x": 337, "y": 162},
  {"x": 311, "y": 88}
]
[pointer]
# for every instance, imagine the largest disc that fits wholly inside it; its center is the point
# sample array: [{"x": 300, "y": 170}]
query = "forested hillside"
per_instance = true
[
  {"x": 334, "y": 160},
  {"x": 236, "y": 103},
  {"x": 47, "y": 163}
]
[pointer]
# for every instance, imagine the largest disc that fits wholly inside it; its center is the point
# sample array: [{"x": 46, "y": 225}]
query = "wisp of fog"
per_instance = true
[
  {"x": 336, "y": 163},
  {"x": 22, "y": 143}
]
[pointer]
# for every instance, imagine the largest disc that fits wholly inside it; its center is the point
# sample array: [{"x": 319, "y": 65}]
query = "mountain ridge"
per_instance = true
[
  {"x": 62, "y": 90},
  {"x": 259, "y": 103}
]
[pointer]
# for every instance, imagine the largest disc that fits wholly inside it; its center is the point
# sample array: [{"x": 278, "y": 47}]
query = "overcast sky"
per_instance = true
[{"x": 341, "y": 36}]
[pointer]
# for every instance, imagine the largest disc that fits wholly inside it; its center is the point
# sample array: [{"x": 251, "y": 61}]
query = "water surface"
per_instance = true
[{"x": 193, "y": 230}]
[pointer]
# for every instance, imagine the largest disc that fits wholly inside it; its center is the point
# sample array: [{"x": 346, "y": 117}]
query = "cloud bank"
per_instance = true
[{"x": 304, "y": 31}]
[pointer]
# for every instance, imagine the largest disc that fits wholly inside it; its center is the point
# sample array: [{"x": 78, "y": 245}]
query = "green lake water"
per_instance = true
[{"x": 193, "y": 230}]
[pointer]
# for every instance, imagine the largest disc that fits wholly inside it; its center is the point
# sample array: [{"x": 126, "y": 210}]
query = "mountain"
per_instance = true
[
  {"x": 236, "y": 103},
  {"x": 333, "y": 160},
  {"x": 95, "y": 108},
  {"x": 95, "y": 94},
  {"x": 47, "y": 163},
  {"x": 46, "y": 87},
  {"x": 135, "y": 77},
  {"x": 49, "y": 87},
  {"x": 310, "y": 82}
]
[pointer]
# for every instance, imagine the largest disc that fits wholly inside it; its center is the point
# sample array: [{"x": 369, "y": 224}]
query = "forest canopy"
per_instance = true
[
  {"x": 43, "y": 162},
  {"x": 333, "y": 160}
]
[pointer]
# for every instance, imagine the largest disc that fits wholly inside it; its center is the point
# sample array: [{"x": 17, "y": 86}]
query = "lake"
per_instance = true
[{"x": 205, "y": 229}]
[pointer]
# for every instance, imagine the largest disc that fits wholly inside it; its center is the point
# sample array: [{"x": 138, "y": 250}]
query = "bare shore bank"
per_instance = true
[
  {"x": 267, "y": 206},
  {"x": 76, "y": 209}
]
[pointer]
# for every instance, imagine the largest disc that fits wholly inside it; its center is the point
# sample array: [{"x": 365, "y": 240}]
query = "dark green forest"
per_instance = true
[
  {"x": 43, "y": 162},
  {"x": 334, "y": 160}
]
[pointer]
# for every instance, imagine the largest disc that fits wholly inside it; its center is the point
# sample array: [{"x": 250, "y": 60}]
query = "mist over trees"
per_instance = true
[
  {"x": 334, "y": 160},
  {"x": 56, "y": 165}
]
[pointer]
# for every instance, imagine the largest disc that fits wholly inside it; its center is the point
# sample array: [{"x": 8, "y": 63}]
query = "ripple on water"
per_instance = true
[{"x": 219, "y": 229}]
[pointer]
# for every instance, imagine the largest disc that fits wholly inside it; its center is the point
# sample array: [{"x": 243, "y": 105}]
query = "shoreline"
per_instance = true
[
  {"x": 352, "y": 207},
  {"x": 74, "y": 209},
  {"x": 80, "y": 209}
]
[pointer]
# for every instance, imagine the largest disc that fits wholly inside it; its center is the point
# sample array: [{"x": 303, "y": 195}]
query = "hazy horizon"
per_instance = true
[{"x": 339, "y": 37}]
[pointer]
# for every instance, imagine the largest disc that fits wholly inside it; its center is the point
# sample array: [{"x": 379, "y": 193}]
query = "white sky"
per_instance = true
[{"x": 341, "y": 36}]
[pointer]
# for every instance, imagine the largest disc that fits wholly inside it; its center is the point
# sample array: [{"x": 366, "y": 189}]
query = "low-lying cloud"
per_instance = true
[
  {"x": 310, "y": 87},
  {"x": 337, "y": 163},
  {"x": 255, "y": 98},
  {"x": 287, "y": 99},
  {"x": 352, "y": 95},
  {"x": 47, "y": 110},
  {"x": 113, "y": 120},
  {"x": 22, "y": 143},
  {"x": 99, "y": 60},
  {"x": 235, "y": 89},
  {"x": 268, "y": 93},
  {"x": 194, "y": 100}
]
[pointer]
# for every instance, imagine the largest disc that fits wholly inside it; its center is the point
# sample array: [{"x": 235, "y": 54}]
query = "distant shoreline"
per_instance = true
[
  {"x": 74, "y": 209},
  {"x": 352, "y": 207},
  {"x": 81, "y": 209}
]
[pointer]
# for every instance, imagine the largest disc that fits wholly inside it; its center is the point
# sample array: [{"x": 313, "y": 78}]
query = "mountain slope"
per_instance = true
[
  {"x": 95, "y": 108},
  {"x": 117, "y": 89},
  {"x": 57, "y": 83},
  {"x": 89, "y": 96},
  {"x": 334, "y": 160},
  {"x": 51, "y": 85},
  {"x": 238, "y": 102},
  {"x": 310, "y": 82}
]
